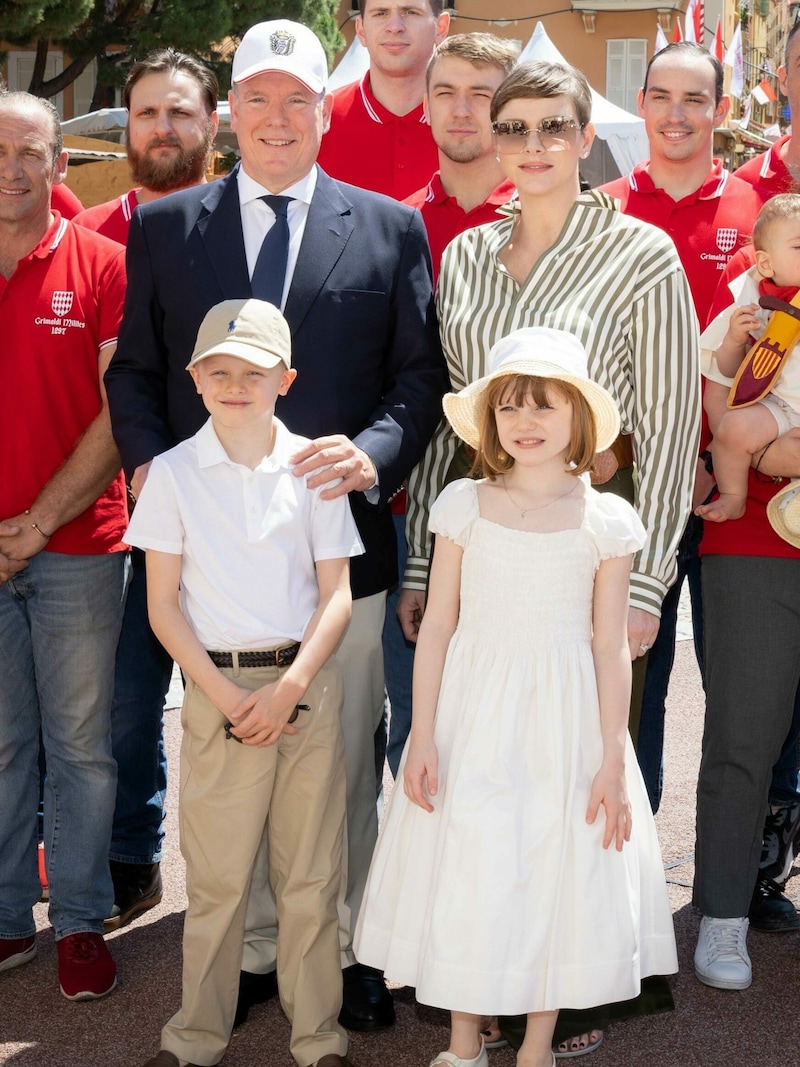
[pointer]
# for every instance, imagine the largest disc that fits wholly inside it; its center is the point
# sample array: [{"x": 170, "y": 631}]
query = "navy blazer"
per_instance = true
[{"x": 365, "y": 340}]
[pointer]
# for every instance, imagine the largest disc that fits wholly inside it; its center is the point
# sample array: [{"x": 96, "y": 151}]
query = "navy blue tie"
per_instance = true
[{"x": 269, "y": 274}]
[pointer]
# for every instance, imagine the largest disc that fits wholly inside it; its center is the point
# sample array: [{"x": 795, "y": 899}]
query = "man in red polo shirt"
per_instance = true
[
  {"x": 172, "y": 120},
  {"x": 709, "y": 214},
  {"x": 778, "y": 169},
  {"x": 467, "y": 189},
  {"x": 379, "y": 137},
  {"x": 63, "y": 568}
]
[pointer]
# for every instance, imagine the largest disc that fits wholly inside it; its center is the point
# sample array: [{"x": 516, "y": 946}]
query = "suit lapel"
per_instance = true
[
  {"x": 328, "y": 229},
  {"x": 220, "y": 227}
]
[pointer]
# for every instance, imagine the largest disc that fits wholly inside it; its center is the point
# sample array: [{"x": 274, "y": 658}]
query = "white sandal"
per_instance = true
[{"x": 481, "y": 1060}]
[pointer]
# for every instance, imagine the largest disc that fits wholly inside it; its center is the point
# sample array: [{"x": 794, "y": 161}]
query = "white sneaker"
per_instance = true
[{"x": 721, "y": 958}]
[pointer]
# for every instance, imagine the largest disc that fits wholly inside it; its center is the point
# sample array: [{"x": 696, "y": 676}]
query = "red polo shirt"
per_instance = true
[
  {"x": 371, "y": 147},
  {"x": 445, "y": 218},
  {"x": 112, "y": 219},
  {"x": 767, "y": 173},
  {"x": 707, "y": 226},
  {"x": 62, "y": 304},
  {"x": 63, "y": 200}
]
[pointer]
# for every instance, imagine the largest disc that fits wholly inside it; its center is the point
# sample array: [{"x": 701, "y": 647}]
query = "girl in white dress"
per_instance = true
[{"x": 519, "y": 869}]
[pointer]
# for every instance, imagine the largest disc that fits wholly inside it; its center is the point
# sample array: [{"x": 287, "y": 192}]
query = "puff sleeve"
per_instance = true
[
  {"x": 614, "y": 526},
  {"x": 455, "y": 510}
]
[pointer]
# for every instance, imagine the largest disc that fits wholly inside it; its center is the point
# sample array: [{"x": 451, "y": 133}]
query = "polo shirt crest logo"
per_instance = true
[
  {"x": 726, "y": 238},
  {"x": 282, "y": 43},
  {"x": 61, "y": 302}
]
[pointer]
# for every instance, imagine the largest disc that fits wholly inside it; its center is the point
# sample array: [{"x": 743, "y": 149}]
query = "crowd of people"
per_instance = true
[{"x": 225, "y": 450}]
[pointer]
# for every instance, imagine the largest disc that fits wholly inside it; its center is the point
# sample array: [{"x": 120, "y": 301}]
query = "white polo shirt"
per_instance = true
[{"x": 248, "y": 539}]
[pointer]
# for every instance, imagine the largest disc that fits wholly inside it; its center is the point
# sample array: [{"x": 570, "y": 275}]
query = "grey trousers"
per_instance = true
[{"x": 751, "y": 608}]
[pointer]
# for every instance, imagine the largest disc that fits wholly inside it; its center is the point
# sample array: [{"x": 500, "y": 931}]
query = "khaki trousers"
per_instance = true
[
  {"x": 360, "y": 655},
  {"x": 228, "y": 793}
]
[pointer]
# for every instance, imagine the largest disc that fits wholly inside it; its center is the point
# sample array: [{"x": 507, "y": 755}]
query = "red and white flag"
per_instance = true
[
  {"x": 661, "y": 40},
  {"x": 695, "y": 18},
  {"x": 677, "y": 33},
  {"x": 734, "y": 59},
  {"x": 718, "y": 48}
]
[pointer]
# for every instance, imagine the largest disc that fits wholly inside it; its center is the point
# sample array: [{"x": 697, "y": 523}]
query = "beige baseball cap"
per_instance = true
[
  {"x": 250, "y": 329},
  {"x": 284, "y": 46}
]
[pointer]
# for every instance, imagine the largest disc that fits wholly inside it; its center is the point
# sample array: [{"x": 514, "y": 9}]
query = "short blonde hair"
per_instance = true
[
  {"x": 492, "y": 459},
  {"x": 778, "y": 209}
]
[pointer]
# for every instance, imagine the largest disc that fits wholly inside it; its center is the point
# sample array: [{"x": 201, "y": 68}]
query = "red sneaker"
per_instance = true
[
  {"x": 86, "y": 970},
  {"x": 16, "y": 951}
]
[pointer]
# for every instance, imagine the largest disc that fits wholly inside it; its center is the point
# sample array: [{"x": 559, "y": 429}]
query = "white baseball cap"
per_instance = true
[{"x": 285, "y": 46}]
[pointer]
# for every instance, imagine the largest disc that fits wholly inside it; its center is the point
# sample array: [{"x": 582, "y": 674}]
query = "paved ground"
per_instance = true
[{"x": 39, "y": 1028}]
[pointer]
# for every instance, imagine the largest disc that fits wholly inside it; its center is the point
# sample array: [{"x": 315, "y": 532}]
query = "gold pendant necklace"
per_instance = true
[{"x": 540, "y": 507}]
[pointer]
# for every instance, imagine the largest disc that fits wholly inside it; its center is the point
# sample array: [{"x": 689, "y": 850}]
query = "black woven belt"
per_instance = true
[{"x": 279, "y": 657}]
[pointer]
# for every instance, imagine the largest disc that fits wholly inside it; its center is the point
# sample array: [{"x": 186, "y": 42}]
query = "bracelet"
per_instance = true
[
  {"x": 765, "y": 479},
  {"x": 36, "y": 527}
]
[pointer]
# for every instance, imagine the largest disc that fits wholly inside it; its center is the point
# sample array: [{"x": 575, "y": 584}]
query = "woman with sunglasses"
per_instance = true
[{"x": 572, "y": 261}]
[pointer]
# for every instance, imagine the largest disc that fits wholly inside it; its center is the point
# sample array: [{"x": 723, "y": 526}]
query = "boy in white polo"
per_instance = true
[{"x": 248, "y": 590}]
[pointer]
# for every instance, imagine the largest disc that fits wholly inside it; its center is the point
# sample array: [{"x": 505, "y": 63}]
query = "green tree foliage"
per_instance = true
[{"x": 117, "y": 32}]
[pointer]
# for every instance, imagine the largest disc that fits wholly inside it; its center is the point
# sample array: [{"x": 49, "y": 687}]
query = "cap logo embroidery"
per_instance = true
[
  {"x": 61, "y": 302},
  {"x": 231, "y": 326},
  {"x": 282, "y": 43},
  {"x": 726, "y": 238}
]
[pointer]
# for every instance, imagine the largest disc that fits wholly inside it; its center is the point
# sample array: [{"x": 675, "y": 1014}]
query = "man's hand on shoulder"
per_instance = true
[{"x": 329, "y": 459}]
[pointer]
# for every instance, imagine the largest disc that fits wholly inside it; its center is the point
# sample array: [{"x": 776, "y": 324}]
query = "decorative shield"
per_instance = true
[
  {"x": 282, "y": 42},
  {"x": 726, "y": 238},
  {"x": 61, "y": 302},
  {"x": 762, "y": 365}
]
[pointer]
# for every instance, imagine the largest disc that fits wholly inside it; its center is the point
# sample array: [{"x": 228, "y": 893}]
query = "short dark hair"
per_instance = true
[
  {"x": 28, "y": 100},
  {"x": 492, "y": 460},
  {"x": 689, "y": 48},
  {"x": 168, "y": 61},
  {"x": 542, "y": 80},
  {"x": 436, "y": 6},
  {"x": 480, "y": 49}
]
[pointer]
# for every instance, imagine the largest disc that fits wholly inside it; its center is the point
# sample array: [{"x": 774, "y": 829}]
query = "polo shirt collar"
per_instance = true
[
  {"x": 713, "y": 186},
  {"x": 773, "y": 161},
  {"x": 504, "y": 192},
  {"x": 380, "y": 114},
  {"x": 210, "y": 451},
  {"x": 52, "y": 239},
  {"x": 250, "y": 189}
]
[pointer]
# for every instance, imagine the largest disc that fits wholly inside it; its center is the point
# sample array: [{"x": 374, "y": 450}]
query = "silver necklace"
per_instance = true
[{"x": 540, "y": 507}]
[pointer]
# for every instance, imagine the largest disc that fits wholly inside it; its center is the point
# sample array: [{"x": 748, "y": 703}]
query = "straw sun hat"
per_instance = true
[
  {"x": 541, "y": 353},
  {"x": 783, "y": 512}
]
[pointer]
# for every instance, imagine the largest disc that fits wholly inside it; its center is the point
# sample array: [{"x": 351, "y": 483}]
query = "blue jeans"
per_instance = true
[
  {"x": 59, "y": 625},
  {"x": 650, "y": 740},
  {"x": 143, "y": 673},
  {"x": 398, "y": 661}
]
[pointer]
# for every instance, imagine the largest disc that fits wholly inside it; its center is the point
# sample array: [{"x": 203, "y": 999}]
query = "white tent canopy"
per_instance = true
[
  {"x": 352, "y": 67},
  {"x": 623, "y": 132}
]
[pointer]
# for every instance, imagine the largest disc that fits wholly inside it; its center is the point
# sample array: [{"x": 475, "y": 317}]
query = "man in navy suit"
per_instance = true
[{"x": 357, "y": 295}]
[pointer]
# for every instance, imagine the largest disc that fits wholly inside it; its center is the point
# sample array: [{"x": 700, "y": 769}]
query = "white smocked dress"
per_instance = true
[{"x": 503, "y": 900}]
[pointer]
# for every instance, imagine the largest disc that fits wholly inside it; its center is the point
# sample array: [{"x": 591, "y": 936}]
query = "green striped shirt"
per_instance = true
[{"x": 616, "y": 283}]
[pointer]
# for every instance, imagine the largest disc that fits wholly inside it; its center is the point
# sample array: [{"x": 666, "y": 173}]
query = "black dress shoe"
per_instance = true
[
  {"x": 137, "y": 888},
  {"x": 770, "y": 910},
  {"x": 366, "y": 1002},
  {"x": 254, "y": 989}
]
